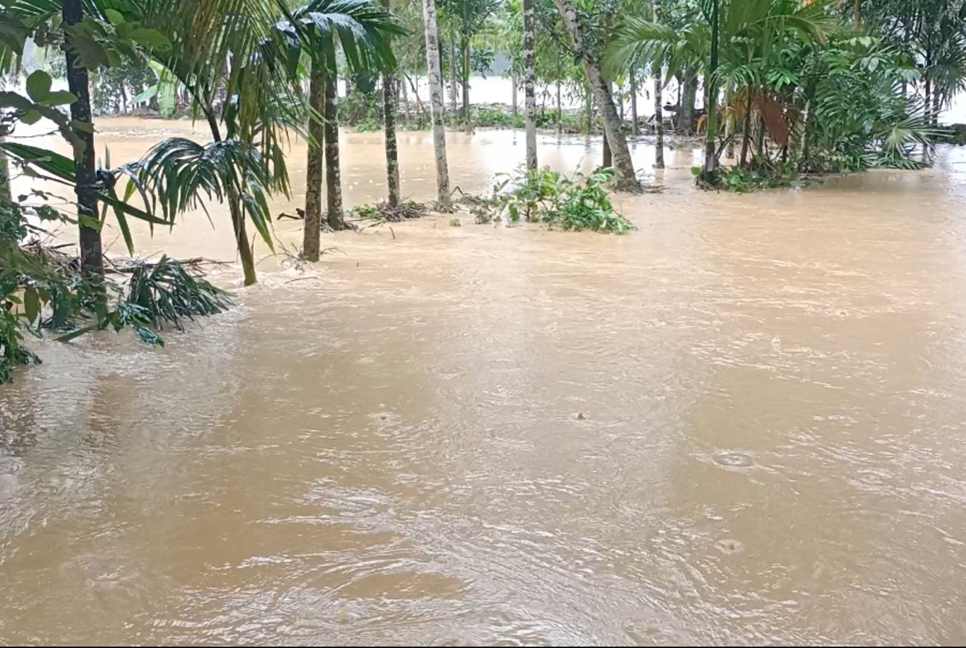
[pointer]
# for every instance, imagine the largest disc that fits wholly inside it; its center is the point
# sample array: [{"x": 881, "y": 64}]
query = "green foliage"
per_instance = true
[
  {"x": 745, "y": 180},
  {"x": 578, "y": 203}
]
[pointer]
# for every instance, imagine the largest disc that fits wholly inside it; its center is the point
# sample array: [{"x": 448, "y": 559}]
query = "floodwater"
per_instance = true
[{"x": 744, "y": 422}]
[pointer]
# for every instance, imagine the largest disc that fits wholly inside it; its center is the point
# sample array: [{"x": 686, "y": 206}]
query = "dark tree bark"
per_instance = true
[
  {"x": 313, "y": 169},
  {"x": 634, "y": 130},
  {"x": 333, "y": 179},
  {"x": 389, "y": 109},
  {"x": 608, "y": 155},
  {"x": 529, "y": 80},
  {"x": 91, "y": 252}
]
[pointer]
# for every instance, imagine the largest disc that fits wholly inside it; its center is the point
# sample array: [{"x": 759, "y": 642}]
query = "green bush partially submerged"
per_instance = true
[{"x": 545, "y": 196}]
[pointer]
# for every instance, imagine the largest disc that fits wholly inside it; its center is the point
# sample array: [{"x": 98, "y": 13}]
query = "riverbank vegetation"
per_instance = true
[{"x": 776, "y": 90}]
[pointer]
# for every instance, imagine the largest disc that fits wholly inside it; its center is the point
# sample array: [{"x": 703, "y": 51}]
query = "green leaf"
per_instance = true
[
  {"x": 151, "y": 38},
  {"x": 131, "y": 210},
  {"x": 30, "y": 117},
  {"x": 67, "y": 337},
  {"x": 114, "y": 16},
  {"x": 14, "y": 100},
  {"x": 87, "y": 127},
  {"x": 90, "y": 53},
  {"x": 147, "y": 95},
  {"x": 31, "y": 304},
  {"x": 38, "y": 85},
  {"x": 59, "y": 98},
  {"x": 49, "y": 161},
  {"x": 122, "y": 222}
]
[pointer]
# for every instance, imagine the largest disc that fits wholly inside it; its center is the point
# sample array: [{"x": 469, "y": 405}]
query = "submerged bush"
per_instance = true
[{"x": 578, "y": 203}]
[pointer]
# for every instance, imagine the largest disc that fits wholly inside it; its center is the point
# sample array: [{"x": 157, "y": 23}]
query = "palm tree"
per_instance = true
[
  {"x": 590, "y": 59},
  {"x": 436, "y": 98},
  {"x": 362, "y": 31},
  {"x": 657, "y": 70}
]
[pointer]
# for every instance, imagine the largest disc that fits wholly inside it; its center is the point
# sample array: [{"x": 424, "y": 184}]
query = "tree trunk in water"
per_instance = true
[
  {"x": 627, "y": 179},
  {"x": 436, "y": 97},
  {"x": 711, "y": 101},
  {"x": 313, "y": 167},
  {"x": 608, "y": 154},
  {"x": 333, "y": 171},
  {"x": 658, "y": 121},
  {"x": 529, "y": 80},
  {"x": 937, "y": 104},
  {"x": 453, "y": 85},
  {"x": 389, "y": 109},
  {"x": 513, "y": 94},
  {"x": 590, "y": 110},
  {"x": 91, "y": 256},
  {"x": 634, "y": 130},
  {"x": 237, "y": 217}
]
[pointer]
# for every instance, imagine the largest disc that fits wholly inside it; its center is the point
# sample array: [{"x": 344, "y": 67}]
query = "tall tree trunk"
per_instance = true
[
  {"x": 405, "y": 98},
  {"x": 245, "y": 253},
  {"x": 513, "y": 94},
  {"x": 760, "y": 149},
  {"x": 453, "y": 85},
  {"x": 857, "y": 12},
  {"x": 436, "y": 96},
  {"x": 559, "y": 110},
  {"x": 627, "y": 179},
  {"x": 333, "y": 170},
  {"x": 466, "y": 79},
  {"x": 658, "y": 105},
  {"x": 313, "y": 167},
  {"x": 937, "y": 104},
  {"x": 686, "y": 124},
  {"x": 634, "y": 130},
  {"x": 91, "y": 254},
  {"x": 746, "y": 137},
  {"x": 590, "y": 110},
  {"x": 711, "y": 101},
  {"x": 389, "y": 109},
  {"x": 608, "y": 160},
  {"x": 5, "y": 192},
  {"x": 530, "y": 79}
]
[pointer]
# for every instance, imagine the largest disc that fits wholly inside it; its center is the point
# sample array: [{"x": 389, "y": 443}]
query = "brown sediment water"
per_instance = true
[{"x": 744, "y": 422}]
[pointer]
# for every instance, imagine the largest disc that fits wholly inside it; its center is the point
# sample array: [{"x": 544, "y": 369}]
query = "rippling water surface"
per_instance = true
[{"x": 743, "y": 423}]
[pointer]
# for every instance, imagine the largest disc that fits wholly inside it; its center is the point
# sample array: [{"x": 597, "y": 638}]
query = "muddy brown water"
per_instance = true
[{"x": 389, "y": 447}]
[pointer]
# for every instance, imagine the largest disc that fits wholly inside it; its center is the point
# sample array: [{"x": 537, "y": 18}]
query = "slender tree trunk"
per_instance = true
[
  {"x": 453, "y": 85},
  {"x": 658, "y": 121},
  {"x": 389, "y": 109},
  {"x": 760, "y": 148},
  {"x": 627, "y": 179},
  {"x": 530, "y": 79},
  {"x": 608, "y": 160},
  {"x": 91, "y": 255},
  {"x": 436, "y": 96},
  {"x": 313, "y": 168},
  {"x": 687, "y": 104},
  {"x": 620, "y": 107},
  {"x": 513, "y": 94},
  {"x": 590, "y": 110},
  {"x": 559, "y": 110},
  {"x": 658, "y": 106},
  {"x": 466, "y": 79},
  {"x": 857, "y": 12},
  {"x": 746, "y": 138},
  {"x": 405, "y": 98},
  {"x": 937, "y": 104},
  {"x": 711, "y": 92},
  {"x": 5, "y": 192},
  {"x": 333, "y": 170},
  {"x": 634, "y": 130}
]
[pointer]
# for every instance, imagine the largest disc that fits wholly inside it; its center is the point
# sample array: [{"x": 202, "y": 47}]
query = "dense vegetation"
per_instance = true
[{"x": 780, "y": 88}]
